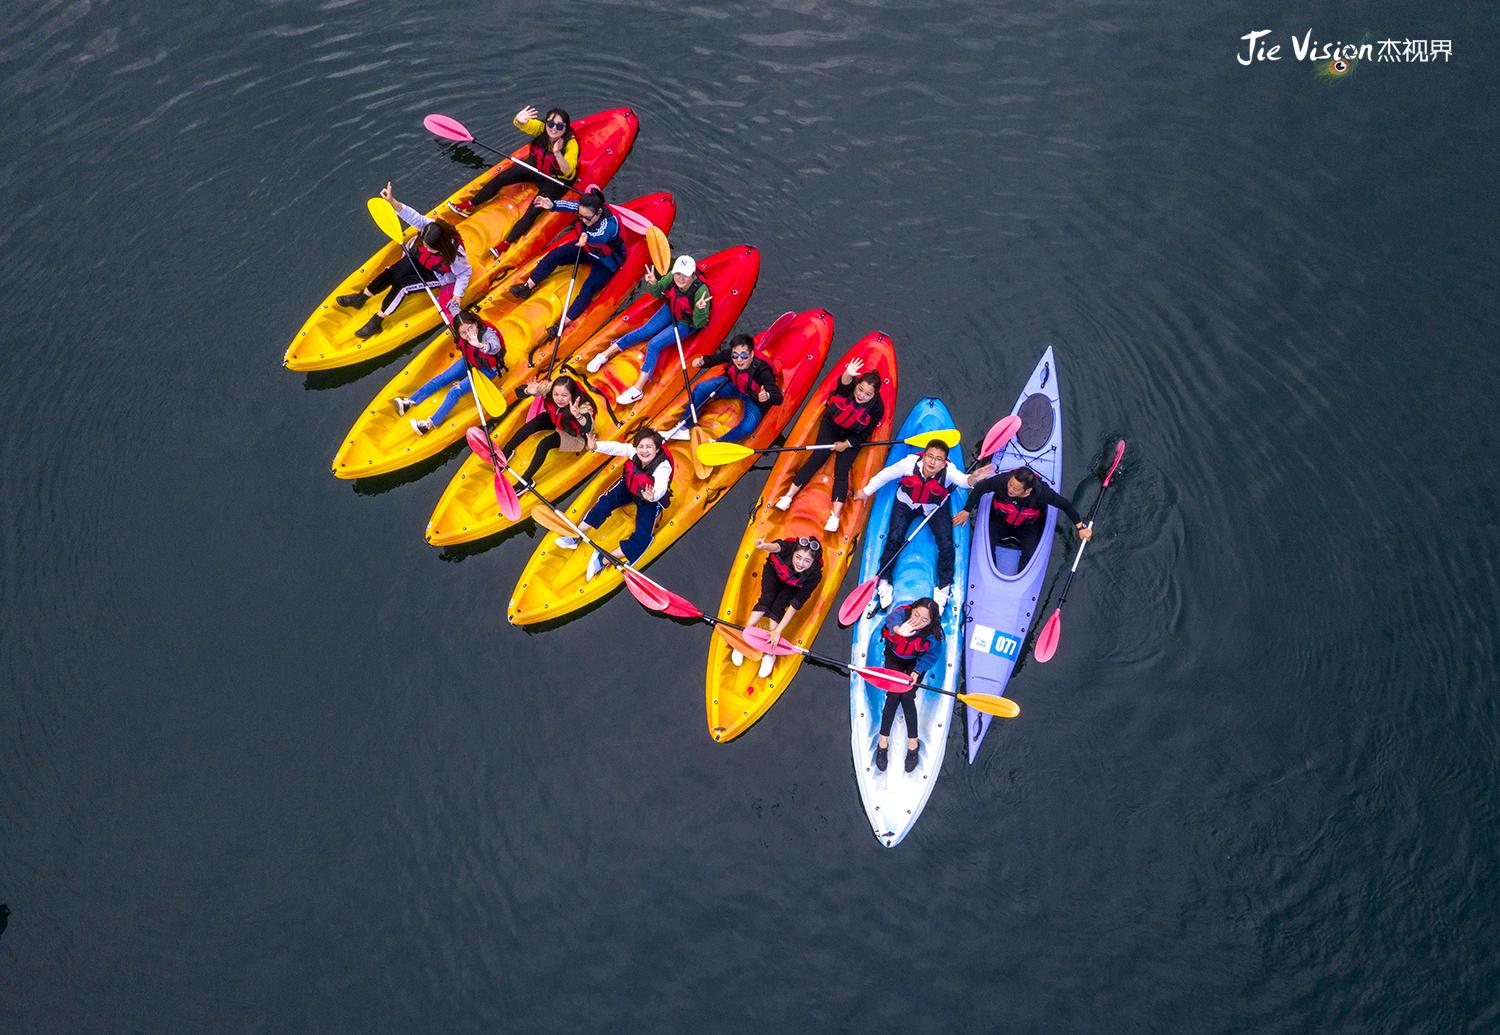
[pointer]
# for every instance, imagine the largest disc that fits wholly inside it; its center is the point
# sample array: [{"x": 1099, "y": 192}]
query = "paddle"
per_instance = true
[
  {"x": 505, "y": 492},
  {"x": 1046, "y": 642},
  {"x": 452, "y": 129},
  {"x": 650, "y": 594},
  {"x": 859, "y": 597},
  {"x": 659, "y": 250},
  {"x": 562, "y": 321},
  {"x": 717, "y": 454},
  {"x": 384, "y": 214}
]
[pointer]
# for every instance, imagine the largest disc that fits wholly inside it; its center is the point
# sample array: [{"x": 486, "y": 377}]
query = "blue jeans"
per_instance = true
[
  {"x": 455, "y": 379},
  {"x": 645, "y": 519},
  {"x": 715, "y": 386},
  {"x": 659, "y": 330},
  {"x": 583, "y": 293}
]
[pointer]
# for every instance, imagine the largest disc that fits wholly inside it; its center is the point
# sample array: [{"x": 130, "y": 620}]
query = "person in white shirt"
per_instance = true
[
  {"x": 646, "y": 484},
  {"x": 926, "y": 480}
]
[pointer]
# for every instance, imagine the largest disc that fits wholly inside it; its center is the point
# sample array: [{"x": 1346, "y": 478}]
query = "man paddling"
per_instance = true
[{"x": 1017, "y": 506}]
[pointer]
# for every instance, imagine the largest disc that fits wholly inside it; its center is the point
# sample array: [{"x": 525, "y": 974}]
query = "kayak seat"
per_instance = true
[{"x": 1007, "y": 559}]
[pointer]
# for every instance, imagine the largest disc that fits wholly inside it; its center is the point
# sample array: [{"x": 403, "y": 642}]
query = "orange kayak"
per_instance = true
[
  {"x": 327, "y": 339},
  {"x": 553, "y": 582},
  {"x": 467, "y": 509},
  {"x": 381, "y": 441},
  {"x": 735, "y": 696}
]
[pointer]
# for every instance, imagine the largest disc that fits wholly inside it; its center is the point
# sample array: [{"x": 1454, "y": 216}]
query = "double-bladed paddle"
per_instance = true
[
  {"x": 505, "y": 492},
  {"x": 717, "y": 454}
]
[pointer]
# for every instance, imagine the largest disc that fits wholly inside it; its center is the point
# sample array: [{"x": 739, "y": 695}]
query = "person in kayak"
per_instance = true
[
  {"x": 851, "y": 412},
  {"x": 553, "y": 150},
  {"x": 689, "y": 303},
  {"x": 912, "y": 638},
  {"x": 440, "y": 263},
  {"x": 599, "y": 243},
  {"x": 926, "y": 481},
  {"x": 566, "y": 422},
  {"x": 1019, "y": 503},
  {"x": 646, "y": 485},
  {"x": 480, "y": 348},
  {"x": 793, "y": 569},
  {"x": 747, "y": 377}
]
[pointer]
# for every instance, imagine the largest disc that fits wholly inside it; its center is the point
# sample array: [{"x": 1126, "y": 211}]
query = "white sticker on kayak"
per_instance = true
[{"x": 993, "y": 641}]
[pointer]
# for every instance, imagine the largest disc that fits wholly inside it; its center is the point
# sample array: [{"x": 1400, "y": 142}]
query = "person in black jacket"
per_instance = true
[
  {"x": 852, "y": 411},
  {"x": 1018, "y": 503},
  {"x": 747, "y": 377}
]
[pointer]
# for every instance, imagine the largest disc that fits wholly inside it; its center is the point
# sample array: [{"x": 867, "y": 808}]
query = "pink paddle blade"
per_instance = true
[
  {"x": 1046, "y": 643},
  {"x": 678, "y": 605},
  {"x": 760, "y": 639},
  {"x": 505, "y": 495},
  {"x": 1004, "y": 430},
  {"x": 855, "y": 603},
  {"x": 1119, "y": 453},
  {"x": 651, "y": 596},
  {"x": 631, "y": 219},
  {"x": 777, "y": 326},
  {"x": 480, "y": 443},
  {"x": 448, "y": 129},
  {"x": 887, "y": 679}
]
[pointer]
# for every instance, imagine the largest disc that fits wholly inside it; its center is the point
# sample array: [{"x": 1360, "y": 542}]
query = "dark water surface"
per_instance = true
[{"x": 270, "y": 763}]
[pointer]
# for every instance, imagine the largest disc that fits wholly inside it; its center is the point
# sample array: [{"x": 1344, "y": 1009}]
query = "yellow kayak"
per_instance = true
[
  {"x": 381, "y": 441},
  {"x": 553, "y": 582},
  {"x": 467, "y": 509},
  {"x": 327, "y": 339},
  {"x": 736, "y": 697}
]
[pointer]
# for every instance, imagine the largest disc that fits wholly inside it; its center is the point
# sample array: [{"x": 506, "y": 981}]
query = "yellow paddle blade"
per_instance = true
[
  {"x": 696, "y": 442},
  {"x": 990, "y": 704},
  {"x": 385, "y": 217},
  {"x": 717, "y": 454},
  {"x": 490, "y": 396},
  {"x": 551, "y": 520},
  {"x": 659, "y": 250},
  {"x": 948, "y": 437}
]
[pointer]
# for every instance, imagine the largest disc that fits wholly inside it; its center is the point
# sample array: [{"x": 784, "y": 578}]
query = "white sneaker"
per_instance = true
[
  {"x": 785, "y": 503},
  {"x": 940, "y": 597},
  {"x": 767, "y": 663},
  {"x": 596, "y": 565},
  {"x": 678, "y": 434},
  {"x": 568, "y": 542},
  {"x": 736, "y": 658},
  {"x": 402, "y": 405},
  {"x": 630, "y": 395},
  {"x": 421, "y": 426},
  {"x": 885, "y": 593},
  {"x": 832, "y": 524},
  {"x": 597, "y": 363}
]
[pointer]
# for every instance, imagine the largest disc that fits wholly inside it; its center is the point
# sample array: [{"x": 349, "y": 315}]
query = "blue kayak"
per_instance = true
[{"x": 895, "y": 798}]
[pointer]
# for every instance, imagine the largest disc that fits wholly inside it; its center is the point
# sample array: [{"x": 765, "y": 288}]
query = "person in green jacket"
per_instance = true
[{"x": 689, "y": 303}]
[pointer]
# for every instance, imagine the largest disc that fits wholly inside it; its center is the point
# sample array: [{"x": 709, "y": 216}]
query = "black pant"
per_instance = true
[
  {"x": 842, "y": 463},
  {"x": 541, "y": 422},
  {"x": 583, "y": 294},
  {"x": 942, "y": 531},
  {"x": 399, "y": 276},
  {"x": 908, "y": 704},
  {"x": 1026, "y": 536},
  {"x": 518, "y": 174},
  {"x": 775, "y": 596}
]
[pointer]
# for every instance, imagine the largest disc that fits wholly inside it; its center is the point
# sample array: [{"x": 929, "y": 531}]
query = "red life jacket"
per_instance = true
[
  {"x": 1016, "y": 514},
  {"x": 638, "y": 479},
  {"x": 540, "y": 155},
  {"x": 430, "y": 260},
  {"x": 905, "y": 647},
  {"x": 680, "y": 303},
  {"x": 784, "y": 570},
  {"x": 744, "y": 380},
  {"x": 483, "y": 360},
  {"x": 563, "y": 419},
  {"x": 925, "y": 491},
  {"x": 848, "y": 414}
]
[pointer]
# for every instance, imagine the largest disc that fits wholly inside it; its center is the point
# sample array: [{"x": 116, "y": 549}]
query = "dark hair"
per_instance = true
[
  {"x": 937, "y": 444},
  {"x": 644, "y": 434},
  {"x": 1026, "y": 476},
  {"x": 935, "y": 627},
  {"x": 742, "y": 339},
  {"x": 869, "y": 377},
  {"x": 440, "y": 236},
  {"x": 565, "y": 382},
  {"x": 593, "y": 198}
]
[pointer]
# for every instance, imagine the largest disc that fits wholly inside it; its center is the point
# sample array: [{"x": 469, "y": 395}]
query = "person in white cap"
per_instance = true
[{"x": 688, "y": 305}]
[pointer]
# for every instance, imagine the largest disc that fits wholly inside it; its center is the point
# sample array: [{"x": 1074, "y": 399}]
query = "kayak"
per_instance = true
[
  {"x": 1002, "y": 596},
  {"x": 735, "y": 696},
  {"x": 467, "y": 509},
  {"x": 895, "y": 798},
  {"x": 327, "y": 339},
  {"x": 381, "y": 441},
  {"x": 553, "y": 583}
]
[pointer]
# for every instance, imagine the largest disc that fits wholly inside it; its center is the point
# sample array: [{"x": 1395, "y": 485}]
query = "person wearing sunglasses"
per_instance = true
[
  {"x": 793, "y": 569},
  {"x": 852, "y": 411},
  {"x": 600, "y": 246},
  {"x": 747, "y": 377},
  {"x": 689, "y": 304},
  {"x": 553, "y": 150},
  {"x": 912, "y": 639},
  {"x": 434, "y": 258}
]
